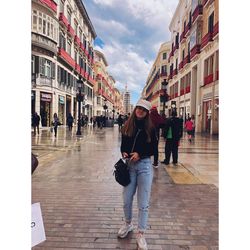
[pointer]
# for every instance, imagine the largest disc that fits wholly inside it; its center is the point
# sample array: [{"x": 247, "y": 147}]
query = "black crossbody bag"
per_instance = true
[{"x": 121, "y": 168}]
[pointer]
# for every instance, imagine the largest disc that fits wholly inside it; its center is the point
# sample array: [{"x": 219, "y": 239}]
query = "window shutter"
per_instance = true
[
  {"x": 37, "y": 64},
  {"x": 42, "y": 66},
  {"x": 53, "y": 70},
  {"x": 58, "y": 74}
]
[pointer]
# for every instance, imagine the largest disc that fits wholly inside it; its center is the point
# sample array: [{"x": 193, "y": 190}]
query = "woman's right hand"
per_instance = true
[{"x": 124, "y": 155}]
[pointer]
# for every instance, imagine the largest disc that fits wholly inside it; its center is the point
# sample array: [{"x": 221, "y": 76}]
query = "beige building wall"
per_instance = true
[
  {"x": 159, "y": 71},
  {"x": 193, "y": 80},
  {"x": 62, "y": 51}
]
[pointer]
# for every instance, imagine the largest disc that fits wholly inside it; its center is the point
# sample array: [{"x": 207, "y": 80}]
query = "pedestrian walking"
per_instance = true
[
  {"x": 55, "y": 123},
  {"x": 172, "y": 135},
  {"x": 158, "y": 123},
  {"x": 189, "y": 126},
  {"x": 35, "y": 122},
  {"x": 193, "y": 120},
  {"x": 120, "y": 122},
  {"x": 70, "y": 120},
  {"x": 139, "y": 130}
]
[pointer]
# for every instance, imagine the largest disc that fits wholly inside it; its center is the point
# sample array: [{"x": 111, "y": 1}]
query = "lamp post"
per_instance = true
[
  {"x": 105, "y": 108},
  {"x": 79, "y": 99},
  {"x": 164, "y": 95},
  {"x": 113, "y": 112},
  {"x": 173, "y": 106}
]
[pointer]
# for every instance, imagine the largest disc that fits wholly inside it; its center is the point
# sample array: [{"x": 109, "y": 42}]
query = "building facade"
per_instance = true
[
  {"x": 62, "y": 52},
  {"x": 154, "y": 90},
  {"x": 193, "y": 64},
  {"x": 107, "y": 98},
  {"x": 194, "y": 67}
]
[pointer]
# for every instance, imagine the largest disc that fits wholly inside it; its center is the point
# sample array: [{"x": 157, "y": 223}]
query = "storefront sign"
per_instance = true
[
  {"x": 61, "y": 99},
  {"x": 46, "y": 97}
]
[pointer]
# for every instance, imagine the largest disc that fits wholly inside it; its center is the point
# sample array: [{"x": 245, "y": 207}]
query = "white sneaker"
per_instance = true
[
  {"x": 141, "y": 242},
  {"x": 155, "y": 165},
  {"x": 125, "y": 229}
]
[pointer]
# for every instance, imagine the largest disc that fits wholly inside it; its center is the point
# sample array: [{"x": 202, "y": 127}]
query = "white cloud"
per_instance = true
[
  {"x": 132, "y": 32},
  {"x": 112, "y": 28},
  {"x": 104, "y": 2},
  {"x": 126, "y": 66}
]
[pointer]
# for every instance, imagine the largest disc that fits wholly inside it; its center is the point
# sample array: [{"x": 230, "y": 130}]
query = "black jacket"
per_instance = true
[
  {"x": 177, "y": 128},
  {"x": 142, "y": 147}
]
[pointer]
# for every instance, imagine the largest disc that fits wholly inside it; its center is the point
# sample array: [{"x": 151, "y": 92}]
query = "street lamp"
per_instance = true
[
  {"x": 173, "y": 106},
  {"x": 163, "y": 94},
  {"x": 113, "y": 112},
  {"x": 79, "y": 99}
]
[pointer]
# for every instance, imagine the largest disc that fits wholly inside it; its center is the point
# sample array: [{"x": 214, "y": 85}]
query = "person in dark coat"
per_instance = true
[
  {"x": 120, "y": 122},
  {"x": 55, "y": 123},
  {"x": 172, "y": 135},
  {"x": 158, "y": 122},
  {"x": 35, "y": 122},
  {"x": 70, "y": 120}
]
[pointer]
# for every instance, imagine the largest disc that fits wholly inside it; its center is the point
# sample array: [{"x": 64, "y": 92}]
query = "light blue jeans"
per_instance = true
[{"x": 141, "y": 175}]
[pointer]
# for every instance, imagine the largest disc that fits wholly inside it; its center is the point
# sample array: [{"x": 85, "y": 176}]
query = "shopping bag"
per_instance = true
[{"x": 37, "y": 227}]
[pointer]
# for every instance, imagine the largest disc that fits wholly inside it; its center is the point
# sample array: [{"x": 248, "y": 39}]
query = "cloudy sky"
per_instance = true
[{"x": 129, "y": 33}]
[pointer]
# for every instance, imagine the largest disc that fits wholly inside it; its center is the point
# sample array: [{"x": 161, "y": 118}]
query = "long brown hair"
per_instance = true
[{"x": 129, "y": 128}]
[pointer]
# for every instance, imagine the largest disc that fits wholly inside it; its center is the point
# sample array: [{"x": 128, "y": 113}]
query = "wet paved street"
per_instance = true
[{"x": 82, "y": 204}]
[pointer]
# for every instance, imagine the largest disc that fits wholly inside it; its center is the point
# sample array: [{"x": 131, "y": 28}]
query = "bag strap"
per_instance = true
[{"x": 139, "y": 130}]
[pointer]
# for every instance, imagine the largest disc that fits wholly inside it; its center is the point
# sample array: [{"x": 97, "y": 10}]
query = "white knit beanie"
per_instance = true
[{"x": 144, "y": 103}]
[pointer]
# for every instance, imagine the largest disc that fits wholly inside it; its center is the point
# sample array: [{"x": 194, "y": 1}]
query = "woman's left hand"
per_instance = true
[{"x": 134, "y": 157}]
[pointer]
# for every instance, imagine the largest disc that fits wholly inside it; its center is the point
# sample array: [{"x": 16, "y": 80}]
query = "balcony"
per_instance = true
[
  {"x": 66, "y": 57},
  {"x": 163, "y": 73},
  {"x": 186, "y": 60},
  {"x": 217, "y": 75},
  {"x": 208, "y": 79},
  {"x": 77, "y": 68},
  {"x": 182, "y": 37},
  {"x": 182, "y": 92},
  {"x": 197, "y": 13},
  {"x": 180, "y": 65},
  {"x": 83, "y": 73},
  {"x": 44, "y": 42},
  {"x": 187, "y": 29},
  {"x": 216, "y": 30},
  {"x": 71, "y": 31},
  {"x": 77, "y": 40},
  {"x": 82, "y": 47},
  {"x": 50, "y": 4},
  {"x": 176, "y": 47},
  {"x": 170, "y": 55},
  {"x": 187, "y": 90},
  {"x": 175, "y": 72},
  {"x": 195, "y": 50},
  {"x": 175, "y": 95},
  {"x": 100, "y": 91},
  {"x": 63, "y": 19},
  {"x": 92, "y": 81},
  {"x": 45, "y": 81},
  {"x": 206, "y": 39}
]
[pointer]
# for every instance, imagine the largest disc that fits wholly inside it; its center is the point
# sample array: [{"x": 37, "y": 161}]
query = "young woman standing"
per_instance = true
[{"x": 139, "y": 132}]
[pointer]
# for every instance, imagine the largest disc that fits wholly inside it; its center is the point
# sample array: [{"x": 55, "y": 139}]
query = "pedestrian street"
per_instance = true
[{"x": 82, "y": 204}]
